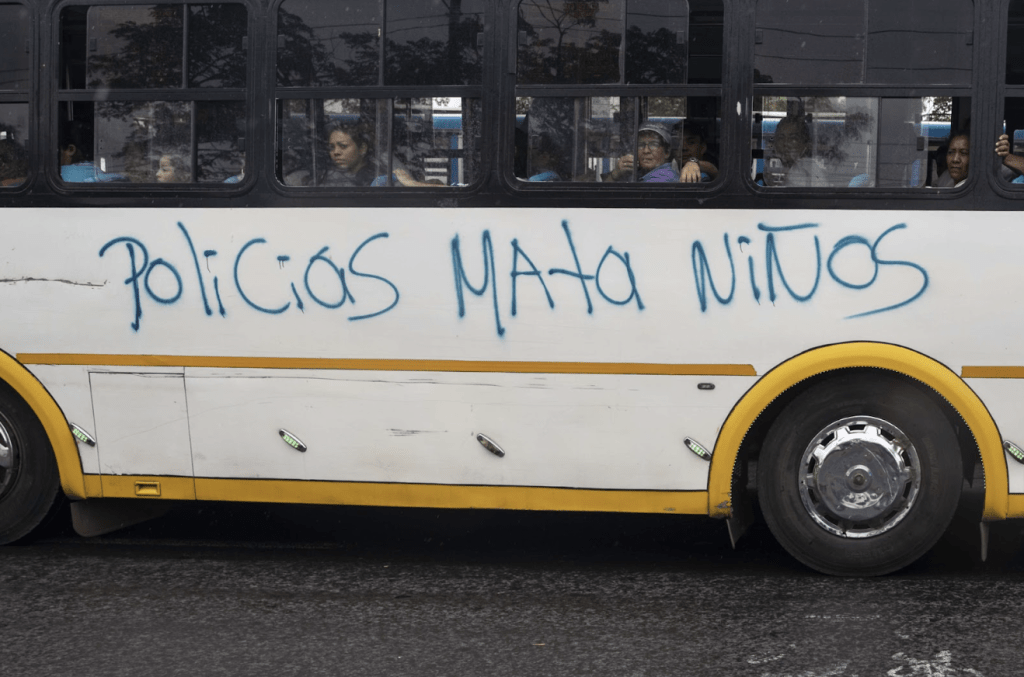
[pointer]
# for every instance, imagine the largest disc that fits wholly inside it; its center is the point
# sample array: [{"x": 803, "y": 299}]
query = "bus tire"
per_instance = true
[
  {"x": 860, "y": 474},
  {"x": 29, "y": 479}
]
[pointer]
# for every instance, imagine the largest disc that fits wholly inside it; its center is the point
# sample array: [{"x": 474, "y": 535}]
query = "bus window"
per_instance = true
[
  {"x": 851, "y": 142},
  {"x": 349, "y": 143},
  {"x": 1011, "y": 148},
  {"x": 615, "y": 139},
  {"x": 116, "y": 138},
  {"x": 669, "y": 138},
  {"x": 421, "y": 139},
  {"x": 817, "y": 124}
]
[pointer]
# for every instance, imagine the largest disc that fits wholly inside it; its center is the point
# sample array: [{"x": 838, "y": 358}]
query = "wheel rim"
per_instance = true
[
  {"x": 8, "y": 458},
  {"x": 859, "y": 477}
]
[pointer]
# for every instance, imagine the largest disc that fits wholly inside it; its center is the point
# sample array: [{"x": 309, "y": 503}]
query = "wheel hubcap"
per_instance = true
[
  {"x": 7, "y": 459},
  {"x": 859, "y": 477}
]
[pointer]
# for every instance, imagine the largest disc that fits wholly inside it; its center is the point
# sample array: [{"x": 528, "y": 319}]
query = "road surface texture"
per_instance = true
[{"x": 288, "y": 590}]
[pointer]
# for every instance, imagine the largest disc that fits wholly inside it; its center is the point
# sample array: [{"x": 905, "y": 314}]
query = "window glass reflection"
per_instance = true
[
  {"x": 137, "y": 46},
  {"x": 854, "y": 142},
  {"x": 14, "y": 47},
  {"x": 13, "y": 139},
  {"x": 423, "y": 142},
  {"x": 434, "y": 42},
  {"x": 327, "y": 43},
  {"x": 216, "y": 50},
  {"x": 569, "y": 41},
  {"x": 1015, "y": 43},
  {"x": 616, "y": 139},
  {"x": 829, "y": 42},
  {"x": 656, "y": 41}
]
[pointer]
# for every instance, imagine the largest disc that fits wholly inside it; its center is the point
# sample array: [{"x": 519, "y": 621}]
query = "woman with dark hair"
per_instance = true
[
  {"x": 958, "y": 161},
  {"x": 348, "y": 147}
]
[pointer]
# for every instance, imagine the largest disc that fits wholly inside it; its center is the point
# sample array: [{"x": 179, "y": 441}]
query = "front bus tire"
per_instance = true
[
  {"x": 860, "y": 474},
  {"x": 29, "y": 480}
]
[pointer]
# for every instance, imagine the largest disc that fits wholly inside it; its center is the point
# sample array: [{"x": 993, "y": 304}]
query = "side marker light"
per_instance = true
[
  {"x": 1013, "y": 450},
  {"x": 696, "y": 448},
  {"x": 291, "y": 440},
  {"x": 490, "y": 445},
  {"x": 82, "y": 436}
]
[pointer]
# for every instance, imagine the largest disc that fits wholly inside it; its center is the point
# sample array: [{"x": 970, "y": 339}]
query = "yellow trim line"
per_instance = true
[
  {"x": 412, "y": 495},
  {"x": 992, "y": 372},
  {"x": 489, "y": 366}
]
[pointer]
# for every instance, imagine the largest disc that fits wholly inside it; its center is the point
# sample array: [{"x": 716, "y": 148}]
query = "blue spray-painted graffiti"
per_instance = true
[
  {"x": 142, "y": 268},
  {"x": 490, "y": 276},
  {"x": 704, "y": 280},
  {"x": 330, "y": 286}
]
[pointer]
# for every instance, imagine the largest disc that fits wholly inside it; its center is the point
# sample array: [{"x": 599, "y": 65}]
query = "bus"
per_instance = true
[{"x": 688, "y": 257}]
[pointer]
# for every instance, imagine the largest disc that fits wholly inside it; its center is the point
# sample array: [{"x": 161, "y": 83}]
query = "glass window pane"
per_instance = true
[
  {"x": 854, "y": 142},
  {"x": 826, "y": 42},
  {"x": 706, "y": 39},
  {"x": 656, "y": 41},
  {"x": 323, "y": 42},
  {"x": 339, "y": 143},
  {"x": 920, "y": 42},
  {"x": 145, "y": 142},
  {"x": 15, "y": 30},
  {"x": 1011, "y": 170},
  {"x": 138, "y": 46},
  {"x": 351, "y": 143},
  {"x": 809, "y": 41},
  {"x": 435, "y": 142},
  {"x": 220, "y": 141},
  {"x": 216, "y": 50},
  {"x": 1015, "y": 44},
  {"x": 616, "y": 139},
  {"x": 569, "y": 41},
  {"x": 434, "y": 42},
  {"x": 13, "y": 137}
]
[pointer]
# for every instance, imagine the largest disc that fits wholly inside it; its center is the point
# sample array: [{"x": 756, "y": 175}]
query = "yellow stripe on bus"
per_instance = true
[
  {"x": 992, "y": 372},
  {"x": 481, "y": 366},
  {"x": 410, "y": 495}
]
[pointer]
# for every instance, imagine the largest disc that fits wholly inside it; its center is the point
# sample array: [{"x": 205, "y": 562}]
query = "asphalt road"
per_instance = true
[{"x": 287, "y": 590}]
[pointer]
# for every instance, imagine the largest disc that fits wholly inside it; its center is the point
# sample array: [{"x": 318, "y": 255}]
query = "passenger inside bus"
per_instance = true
[
  {"x": 172, "y": 169},
  {"x": 13, "y": 163},
  {"x": 792, "y": 164},
  {"x": 654, "y": 149},
  {"x": 348, "y": 146},
  {"x": 958, "y": 160},
  {"x": 1014, "y": 163},
  {"x": 694, "y": 165},
  {"x": 547, "y": 159},
  {"x": 75, "y": 156}
]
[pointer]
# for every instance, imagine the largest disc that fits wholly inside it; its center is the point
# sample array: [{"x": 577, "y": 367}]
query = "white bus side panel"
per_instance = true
[
  {"x": 583, "y": 431},
  {"x": 663, "y": 287}
]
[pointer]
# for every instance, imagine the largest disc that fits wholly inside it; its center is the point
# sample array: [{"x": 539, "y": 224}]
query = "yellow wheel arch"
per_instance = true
[
  {"x": 72, "y": 480},
  {"x": 862, "y": 354}
]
